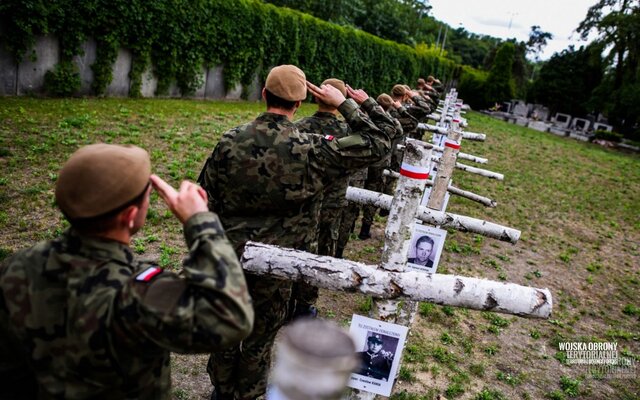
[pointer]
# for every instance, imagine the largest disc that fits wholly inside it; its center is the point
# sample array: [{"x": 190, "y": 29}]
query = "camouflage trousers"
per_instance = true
[
  {"x": 328, "y": 231},
  {"x": 376, "y": 183},
  {"x": 241, "y": 372},
  {"x": 351, "y": 212}
]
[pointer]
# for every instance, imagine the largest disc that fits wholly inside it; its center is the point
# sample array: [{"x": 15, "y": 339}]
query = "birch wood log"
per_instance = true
[
  {"x": 408, "y": 194},
  {"x": 453, "y": 190},
  {"x": 480, "y": 137},
  {"x": 414, "y": 172},
  {"x": 439, "y": 218},
  {"x": 470, "y": 157},
  {"x": 480, "y": 171},
  {"x": 465, "y": 156},
  {"x": 350, "y": 276},
  {"x": 433, "y": 128}
]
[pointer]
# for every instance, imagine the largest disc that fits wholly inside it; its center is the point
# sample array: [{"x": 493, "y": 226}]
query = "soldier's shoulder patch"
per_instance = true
[
  {"x": 329, "y": 137},
  {"x": 148, "y": 274}
]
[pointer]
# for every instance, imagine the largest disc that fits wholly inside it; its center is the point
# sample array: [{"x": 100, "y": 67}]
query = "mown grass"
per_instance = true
[{"x": 577, "y": 205}]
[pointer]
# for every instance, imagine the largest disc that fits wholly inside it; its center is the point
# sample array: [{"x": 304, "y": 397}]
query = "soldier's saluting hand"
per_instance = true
[{"x": 81, "y": 318}]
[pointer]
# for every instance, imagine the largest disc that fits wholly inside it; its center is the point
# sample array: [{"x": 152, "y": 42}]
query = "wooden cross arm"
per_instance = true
[
  {"x": 443, "y": 219},
  {"x": 350, "y": 276},
  {"x": 453, "y": 190}
]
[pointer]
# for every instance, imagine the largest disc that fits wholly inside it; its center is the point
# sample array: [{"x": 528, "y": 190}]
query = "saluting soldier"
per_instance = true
[
  {"x": 265, "y": 179},
  {"x": 375, "y": 180},
  {"x": 428, "y": 92},
  {"x": 89, "y": 321},
  {"x": 414, "y": 104},
  {"x": 325, "y": 121},
  {"x": 435, "y": 84}
]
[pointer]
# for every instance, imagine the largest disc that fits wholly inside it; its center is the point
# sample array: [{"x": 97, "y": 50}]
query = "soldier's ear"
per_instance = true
[
  {"x": 264, "y": 94},
  {"x": 127, "y": 217}
]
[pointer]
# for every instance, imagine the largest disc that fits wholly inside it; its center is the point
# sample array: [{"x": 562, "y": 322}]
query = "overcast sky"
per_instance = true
[{"x": 514, "y": 18}]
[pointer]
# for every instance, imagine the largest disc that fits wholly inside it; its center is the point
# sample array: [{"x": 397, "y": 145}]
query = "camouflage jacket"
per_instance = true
[
  {"x": 397, "y": 136},
  {"x": 326, "y": 123},
  {"x": 419, "y": 109},
  {"x": 264, "y": 178},
  {"x": 431, "y": 96},
  {"x": 94, "y": 323},
  {"x": 407, "y": 121}
]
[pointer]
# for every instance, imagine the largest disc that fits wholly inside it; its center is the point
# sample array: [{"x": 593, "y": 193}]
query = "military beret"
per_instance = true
[
  {"x": 430, "y": 78},
  {"x": 385, "y": 101},
  {"x": 338, "y": 84},
  {"x": 398, "y": 90},
  {"x": 376, "y": 338},
  {"x": 99, "y": 178},
  {"x": 287, "y": 82}
]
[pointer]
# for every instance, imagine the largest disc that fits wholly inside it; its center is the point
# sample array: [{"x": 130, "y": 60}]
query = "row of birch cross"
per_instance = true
[{"x": 396, "y": 290}]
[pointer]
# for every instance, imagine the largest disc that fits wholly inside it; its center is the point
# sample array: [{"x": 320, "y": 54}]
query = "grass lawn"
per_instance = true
[{"x": 577, "y": 205}]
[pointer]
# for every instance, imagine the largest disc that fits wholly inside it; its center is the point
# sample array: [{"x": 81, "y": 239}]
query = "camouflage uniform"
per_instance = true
[
  {"x": 376, "y": 181},
  {"x": 264, "y": 179},
  {"x": 409, "y": 124},
  {"x": 431, "y": 96},
  {"x": 333, "y": 200},
  {"x": 333, "y": 196},
  {"x": 419, "y": 110},
  {"x": 94, "y": 323}
]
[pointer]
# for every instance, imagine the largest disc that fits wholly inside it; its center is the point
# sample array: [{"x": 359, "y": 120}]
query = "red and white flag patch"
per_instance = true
[
  {"x": 328, "y": 137},
  {"x": 148, "y": 274}
]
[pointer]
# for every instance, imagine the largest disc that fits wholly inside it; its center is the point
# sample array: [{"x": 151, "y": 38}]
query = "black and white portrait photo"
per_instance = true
[
  {"x": 377, "y": 356},
  {"x": 379, "y": 346},
  {"x": 426, "y": 247}
]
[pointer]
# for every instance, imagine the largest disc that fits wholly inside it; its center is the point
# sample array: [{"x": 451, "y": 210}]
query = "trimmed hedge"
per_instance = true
[{"x": 247, "y": 37}]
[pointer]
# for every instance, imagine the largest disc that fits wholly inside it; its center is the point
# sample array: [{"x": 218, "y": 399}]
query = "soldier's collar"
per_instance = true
[
  {"x": 98, "y": 248},
  {"x": 325, "y": 114},
  {"x": 268, "y": 116}
]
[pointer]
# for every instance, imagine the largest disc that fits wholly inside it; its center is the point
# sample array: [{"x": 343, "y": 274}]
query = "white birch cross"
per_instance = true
[{"x": 389, "y": 282}]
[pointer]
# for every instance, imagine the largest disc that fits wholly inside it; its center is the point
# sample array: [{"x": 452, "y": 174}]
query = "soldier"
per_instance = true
[
  {"x": 428, "y": 92},
  {"x": 375, "y": 362},
  {"x": 89, "y": 320},
  {"x": 414, "y": 104},
  {"x": 264, "y": 179},
  {"x": 324, "y": 121},
  {"x": 377, "y": 182},
  {"x": 435, "y": 84}
]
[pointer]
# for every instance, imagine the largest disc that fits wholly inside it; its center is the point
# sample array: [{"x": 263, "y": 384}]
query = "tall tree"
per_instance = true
[
  {"x": 617, "y": 24},
  {"x": 566, "y": 81},
  {"x": 537, "y": 40},
  {"x": 500, "y": 85}
]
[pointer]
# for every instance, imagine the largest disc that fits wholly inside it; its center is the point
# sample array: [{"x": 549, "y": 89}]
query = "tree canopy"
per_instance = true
[{"x": 617, "y": 24}]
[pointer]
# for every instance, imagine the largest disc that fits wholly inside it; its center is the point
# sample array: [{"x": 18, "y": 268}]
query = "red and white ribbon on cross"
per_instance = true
[
  {"x": 414, "y": 172},
  {"x": 452, "y": 144}
]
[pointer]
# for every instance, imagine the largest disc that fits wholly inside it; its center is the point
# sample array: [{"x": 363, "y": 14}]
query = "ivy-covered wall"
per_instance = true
[{"x": 180, "y": 37}]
